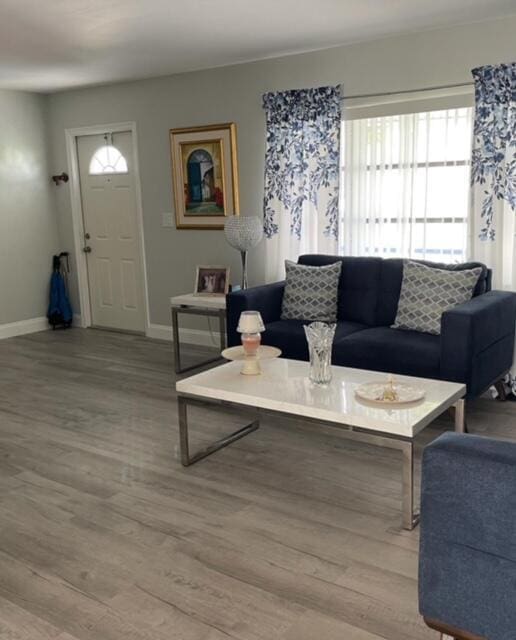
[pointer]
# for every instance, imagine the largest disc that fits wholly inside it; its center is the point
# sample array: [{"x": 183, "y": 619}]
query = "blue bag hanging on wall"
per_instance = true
[{"x": 59, "y": 308}]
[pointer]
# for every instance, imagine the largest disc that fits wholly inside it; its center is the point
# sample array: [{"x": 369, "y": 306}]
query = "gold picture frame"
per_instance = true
[{"x": 204, "y": 175}]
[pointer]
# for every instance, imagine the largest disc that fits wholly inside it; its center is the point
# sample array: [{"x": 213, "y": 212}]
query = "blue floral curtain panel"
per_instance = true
[
  {"x": 301, "y": 200},
  {"x": 493, "y": 170},
  {"x": 493, "y": 175}
]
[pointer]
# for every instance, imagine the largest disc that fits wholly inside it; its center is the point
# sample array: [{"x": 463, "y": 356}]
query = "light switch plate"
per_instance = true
[{"x": 167, "y": 219}]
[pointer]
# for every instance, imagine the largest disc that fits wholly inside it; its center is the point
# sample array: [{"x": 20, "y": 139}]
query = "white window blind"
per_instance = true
[{"x": 405, "y": 185}]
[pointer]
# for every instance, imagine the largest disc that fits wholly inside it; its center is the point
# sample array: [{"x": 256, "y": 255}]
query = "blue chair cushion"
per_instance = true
[
  {"x": 467, "y": 560},
  {"x": 409, "y": 353},
  {"x": 470, "y": 483},
  {"x": 289, "y": 336}
]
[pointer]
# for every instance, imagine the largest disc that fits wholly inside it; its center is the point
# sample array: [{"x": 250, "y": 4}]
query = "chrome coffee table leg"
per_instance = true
[
  {"x": 410, "y": 517},
  {"x": 460, "y": 416},
  {"x": 186, "y": 458}
]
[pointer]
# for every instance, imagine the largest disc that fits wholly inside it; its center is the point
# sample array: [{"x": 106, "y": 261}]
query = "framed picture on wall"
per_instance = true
[
  {"x": 211, "y": 281},
  {"x": 204, "y": 175}
]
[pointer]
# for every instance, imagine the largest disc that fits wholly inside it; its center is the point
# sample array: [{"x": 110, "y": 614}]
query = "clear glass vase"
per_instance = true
[{"x": 320, "y": 340}]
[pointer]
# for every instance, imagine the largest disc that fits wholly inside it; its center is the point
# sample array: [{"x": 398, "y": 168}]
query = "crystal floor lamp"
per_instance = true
[{"x": 243, "y": 233}]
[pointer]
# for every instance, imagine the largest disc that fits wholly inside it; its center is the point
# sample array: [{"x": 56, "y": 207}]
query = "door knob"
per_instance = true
[{"x": 87, "y": 249}]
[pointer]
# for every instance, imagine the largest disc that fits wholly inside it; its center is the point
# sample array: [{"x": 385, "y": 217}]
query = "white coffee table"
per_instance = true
[{"x": 283, "y": 388}]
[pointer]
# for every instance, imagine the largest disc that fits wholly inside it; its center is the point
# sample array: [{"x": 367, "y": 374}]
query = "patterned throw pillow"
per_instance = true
[
  {"x": 427, "y": 292},
  {"x": 311, "y": 292}
]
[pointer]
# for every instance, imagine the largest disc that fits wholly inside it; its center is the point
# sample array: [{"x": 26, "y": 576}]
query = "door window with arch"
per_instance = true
[{"x": 107, "y": 159}]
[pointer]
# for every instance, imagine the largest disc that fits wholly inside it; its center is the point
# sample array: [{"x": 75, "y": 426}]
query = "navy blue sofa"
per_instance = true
[
  {"x": 467, "y": 559},
  {"x": 475, "y": 346}
]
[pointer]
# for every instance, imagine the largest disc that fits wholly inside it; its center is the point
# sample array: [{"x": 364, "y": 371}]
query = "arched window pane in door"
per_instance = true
[{"x": 107, "y": 159}]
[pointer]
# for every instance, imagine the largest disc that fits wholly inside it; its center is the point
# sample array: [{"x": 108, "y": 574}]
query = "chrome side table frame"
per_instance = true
[
  {"x": 410, "y": 514},
  {"x": 214, "y": 313}
]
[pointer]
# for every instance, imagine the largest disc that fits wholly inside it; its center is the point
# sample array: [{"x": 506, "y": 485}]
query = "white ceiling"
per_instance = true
[{"x": 58, "y": 44}]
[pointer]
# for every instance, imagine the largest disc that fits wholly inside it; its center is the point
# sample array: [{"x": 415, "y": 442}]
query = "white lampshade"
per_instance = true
[{"x": 250, "y": 322}]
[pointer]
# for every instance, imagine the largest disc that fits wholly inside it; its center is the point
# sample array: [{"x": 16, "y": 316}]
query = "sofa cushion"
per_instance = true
[
  {"x": 289, "y": 336},
  {"x": 359, "y": 286},
  {"x": 311, "y": 293},
  {"x": 408, "y": 353},
  {"x": 426, "y": 293},
  {"x": 468, "y": 533},
  {"x": 390, "y": 284}
]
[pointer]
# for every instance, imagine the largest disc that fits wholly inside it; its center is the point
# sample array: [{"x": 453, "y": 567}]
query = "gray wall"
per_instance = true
[
  {"x": 28, "y": 226},
  {"x": 234, "y": 94}
]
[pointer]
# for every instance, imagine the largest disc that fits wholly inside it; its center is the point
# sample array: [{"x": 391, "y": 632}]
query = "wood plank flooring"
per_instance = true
[{"x": 289, "y": 534}]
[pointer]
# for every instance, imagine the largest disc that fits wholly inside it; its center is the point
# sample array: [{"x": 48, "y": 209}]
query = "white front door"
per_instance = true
[{"x": 111, "y": 237}]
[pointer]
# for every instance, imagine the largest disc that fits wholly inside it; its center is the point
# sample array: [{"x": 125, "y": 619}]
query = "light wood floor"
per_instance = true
[{"x": 290, "y": 534}]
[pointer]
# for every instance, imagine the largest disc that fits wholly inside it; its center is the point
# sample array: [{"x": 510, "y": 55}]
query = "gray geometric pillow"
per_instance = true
[
  {"x": 427, "y": 292},
  {"x": 311, "y": 292}
]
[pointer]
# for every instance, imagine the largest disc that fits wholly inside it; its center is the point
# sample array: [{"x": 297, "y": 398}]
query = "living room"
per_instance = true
[{"x": 163, "y": 151}]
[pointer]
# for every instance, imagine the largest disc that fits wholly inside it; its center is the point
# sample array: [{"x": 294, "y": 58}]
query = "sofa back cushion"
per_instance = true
[
  {"x": 392, "y": 276},
  {"x": 311, "y": 293},
  {"x": 369, "y": 288},
  {"x": 358, "y": 285},
  {"x": 427, "y": 292}
]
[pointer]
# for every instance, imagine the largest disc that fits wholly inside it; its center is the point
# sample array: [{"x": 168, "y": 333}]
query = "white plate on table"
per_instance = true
[{"x": 373, "y": 392}]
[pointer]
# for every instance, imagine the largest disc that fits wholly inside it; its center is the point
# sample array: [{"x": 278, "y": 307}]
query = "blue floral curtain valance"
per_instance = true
[
  {"x": 303, "y": 105},
  {"x": 302, "y": 163},
  {"x": 493, "y": 164}
]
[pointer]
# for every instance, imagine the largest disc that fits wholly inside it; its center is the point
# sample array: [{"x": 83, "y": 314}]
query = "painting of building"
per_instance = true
[{"x": 203, "y": 178}]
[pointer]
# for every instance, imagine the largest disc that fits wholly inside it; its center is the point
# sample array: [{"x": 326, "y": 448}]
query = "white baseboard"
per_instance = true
[
  {"x": 156, "y": 331},
  {"x": 190, "y": 336},
  {"x": 22, "y": 327},
  {"x": 159, "y": 332}
]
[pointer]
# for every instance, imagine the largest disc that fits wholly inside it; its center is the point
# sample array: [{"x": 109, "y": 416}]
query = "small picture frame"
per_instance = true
[{"x": 211, "y": 281}]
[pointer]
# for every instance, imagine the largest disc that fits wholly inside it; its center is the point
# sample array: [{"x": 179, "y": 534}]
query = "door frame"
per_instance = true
[{"x": 71, "y": 136}]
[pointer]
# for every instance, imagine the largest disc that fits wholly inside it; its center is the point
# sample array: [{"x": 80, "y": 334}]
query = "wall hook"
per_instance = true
[{"x": 63, "y": 177}]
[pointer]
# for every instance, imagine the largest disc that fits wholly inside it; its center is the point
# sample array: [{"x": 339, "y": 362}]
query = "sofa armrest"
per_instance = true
[
  {"x": 467, "y": 560},
  {"x": 266, "y": 299},
  {"x": 477, "y": 340}
]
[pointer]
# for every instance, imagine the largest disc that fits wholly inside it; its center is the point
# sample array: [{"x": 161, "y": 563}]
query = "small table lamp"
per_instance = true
[
  {"x": 243, "y": 233},
  {"x": 250, "y": 325}
]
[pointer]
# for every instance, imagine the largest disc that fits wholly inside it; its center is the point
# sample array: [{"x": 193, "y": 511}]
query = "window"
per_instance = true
[
  {"x": 405, "y": 185},
  {"x": 107, "y": 159}
]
